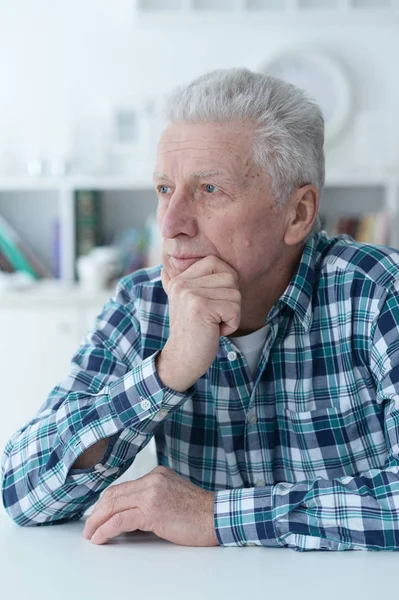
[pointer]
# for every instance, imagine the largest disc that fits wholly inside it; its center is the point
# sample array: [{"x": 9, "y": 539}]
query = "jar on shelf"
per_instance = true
[{"x": 97, "y": 269}]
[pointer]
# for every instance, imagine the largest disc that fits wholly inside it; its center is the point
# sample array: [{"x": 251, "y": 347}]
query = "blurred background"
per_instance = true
[{"x": 83, "y": 84}]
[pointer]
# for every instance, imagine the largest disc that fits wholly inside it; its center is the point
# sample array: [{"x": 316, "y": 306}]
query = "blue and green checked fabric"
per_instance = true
[{"x": 305, "y": 456}]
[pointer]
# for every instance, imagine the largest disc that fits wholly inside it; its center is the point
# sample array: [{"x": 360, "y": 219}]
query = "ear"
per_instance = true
[{"x": 301, "y": 212}]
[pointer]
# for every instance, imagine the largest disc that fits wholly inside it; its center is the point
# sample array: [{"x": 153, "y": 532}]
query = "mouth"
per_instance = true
[{"x": 183, "y": 262}]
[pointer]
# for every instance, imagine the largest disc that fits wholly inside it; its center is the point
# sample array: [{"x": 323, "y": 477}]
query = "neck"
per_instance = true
[
  {"x": 241, "y": 332},
  {"x": 262, "y": 294}
]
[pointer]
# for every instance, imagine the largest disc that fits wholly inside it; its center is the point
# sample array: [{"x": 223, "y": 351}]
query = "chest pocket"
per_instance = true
[
  {"x": 329, "y": 442},
  {"x": 313, "y": 428}
]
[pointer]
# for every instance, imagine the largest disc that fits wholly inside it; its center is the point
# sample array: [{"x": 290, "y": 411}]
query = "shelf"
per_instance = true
[
  {"x": 347, "y": 6},
  {"x": 55, "y": 293},
  {"x": 158, "y": 5},
  {"x": 7, "y": 184},
  {"x": 360, "y": 10},
  {"x": 75, "y": 183},
  {"x": 10, "y": 184},
  {"x": 42, "y": 209},
  {"x": 219, "y": 5}
]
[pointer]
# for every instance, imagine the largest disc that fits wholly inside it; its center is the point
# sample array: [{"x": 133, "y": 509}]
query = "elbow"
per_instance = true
[
  {"x": 21, "y": 515},
  {"x": 18, "y": 505},
  {"x": 14, "y": 508},
  {"x": 15, "y": 499},
  {"x": 9, "y": 494}
]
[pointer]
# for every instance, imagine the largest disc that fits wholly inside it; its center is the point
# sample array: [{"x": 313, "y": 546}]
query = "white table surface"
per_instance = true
[{"x": 55, "y": 562}]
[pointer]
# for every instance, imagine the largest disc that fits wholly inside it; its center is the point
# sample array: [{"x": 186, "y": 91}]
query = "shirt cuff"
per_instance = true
[
  {"x": 141, "y": 401},
  {"x": 243, "y": 517}
]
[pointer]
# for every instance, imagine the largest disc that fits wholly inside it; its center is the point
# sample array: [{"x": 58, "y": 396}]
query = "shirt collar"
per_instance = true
[{"x": 299, "y": 292}]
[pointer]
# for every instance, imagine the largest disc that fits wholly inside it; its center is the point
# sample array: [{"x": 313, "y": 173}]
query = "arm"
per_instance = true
[
  {"x": 346, "y": 513},
  {"x": 107, "y": 408},
  {"x": 92, "y": 455}
]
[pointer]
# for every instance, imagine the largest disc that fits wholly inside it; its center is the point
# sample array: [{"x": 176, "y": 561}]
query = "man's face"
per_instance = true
[{"x": 213, "y": 200}]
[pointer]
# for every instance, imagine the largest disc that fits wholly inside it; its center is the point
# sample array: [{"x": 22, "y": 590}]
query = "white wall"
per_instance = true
[{"x": 67, "y": 61}]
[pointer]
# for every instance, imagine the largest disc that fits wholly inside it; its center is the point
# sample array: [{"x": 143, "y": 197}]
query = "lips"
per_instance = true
[
  {"x": 185, "y": 256},
  {"x": 183, "y": 262}
]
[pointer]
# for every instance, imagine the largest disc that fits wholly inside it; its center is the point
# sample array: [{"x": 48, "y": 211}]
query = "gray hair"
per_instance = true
[{"x": 288, "y": 126}]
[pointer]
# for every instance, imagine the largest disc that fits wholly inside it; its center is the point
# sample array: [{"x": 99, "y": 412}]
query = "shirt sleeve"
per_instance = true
[
  {"x": 346, "y": 513},
  {"x": 110, "y": 393}
]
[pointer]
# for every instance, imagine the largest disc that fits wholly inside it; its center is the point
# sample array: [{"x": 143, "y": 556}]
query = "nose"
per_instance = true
[{"x": 177, "y": 217}]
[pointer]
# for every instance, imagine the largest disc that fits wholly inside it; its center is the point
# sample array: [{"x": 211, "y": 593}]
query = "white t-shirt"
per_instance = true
[{"x": 251, "y": 346}]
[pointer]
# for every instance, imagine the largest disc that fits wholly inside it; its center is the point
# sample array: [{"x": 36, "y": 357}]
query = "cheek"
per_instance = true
[
  {"x": 161, "y": 211},
  {"x": 235, "y": 246},
  {"x": 256, "y": 245}
]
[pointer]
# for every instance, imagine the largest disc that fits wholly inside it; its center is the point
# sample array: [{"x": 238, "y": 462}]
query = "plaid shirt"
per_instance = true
[{"x": 305, "y": 455}]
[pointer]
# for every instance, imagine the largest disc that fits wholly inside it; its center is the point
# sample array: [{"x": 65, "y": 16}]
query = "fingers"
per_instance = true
[
  {"x": 222, "y": 280},
  {"x": 218, "y": 307},
  {"x": 117, "y": 498},
  {"x": 212, "y": 270},
  {"x": 120, "y": 522},
  {"x": 208, "y": 266},
  {"x": 228, "y": 294},
  {"x": 224, "y": 313},
  {"x": 106, "y": 508}
]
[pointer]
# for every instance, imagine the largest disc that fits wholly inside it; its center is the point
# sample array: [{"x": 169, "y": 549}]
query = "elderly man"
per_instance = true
[{"x": 263, "y": 356}]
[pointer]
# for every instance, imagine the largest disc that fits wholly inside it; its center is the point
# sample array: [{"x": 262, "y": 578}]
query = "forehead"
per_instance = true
[
  {"x": 228, "y": 133},
  {"x": 209, "y": 147}
]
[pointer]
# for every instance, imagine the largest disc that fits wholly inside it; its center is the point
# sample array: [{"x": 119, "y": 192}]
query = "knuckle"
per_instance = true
[
  {"x": 152, "y": 499},
  {"x": 159, "y": 475},
  {"x": 109, "y": 493},
  {"x": 237, "y": 318},
  {"x": 109, "y": 504},
  {"x": 117, "y": 520},
  {"x": 161, "y": 469},
  {"x": 178, "y": 285},
  {"x": 198, "y": 305},
  {"x": 231, "y": 280},
  {"x": 235, "y": 295},
  {"x": 211, "y": 258},
  {"x": 210, "y": 263}
]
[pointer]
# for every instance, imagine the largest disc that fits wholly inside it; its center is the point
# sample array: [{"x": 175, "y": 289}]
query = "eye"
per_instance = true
[
  {"x": 161, "y": 189},
  {"x": 211, "y": 188}
]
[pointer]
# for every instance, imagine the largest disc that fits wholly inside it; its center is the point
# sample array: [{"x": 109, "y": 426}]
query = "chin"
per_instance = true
[{"x": 170, "y": 269}]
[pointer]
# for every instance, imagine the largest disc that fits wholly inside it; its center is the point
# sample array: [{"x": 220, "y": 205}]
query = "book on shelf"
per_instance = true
[
  {"x": 5, "y": 264},
  {"x": 372, "y": 228},
  {"x": 88, "y": 232},
  {"x": 16, "y": 255},
  {"x": 56, "y": 247}
]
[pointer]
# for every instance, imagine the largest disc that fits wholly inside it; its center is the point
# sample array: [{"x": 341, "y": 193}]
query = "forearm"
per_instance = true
[
  {"x": 347, "y": 513},
  {"x": 92, "y": 455},
  {"x": 172, "y": 373},
  {"x": 168, "y": 378}
]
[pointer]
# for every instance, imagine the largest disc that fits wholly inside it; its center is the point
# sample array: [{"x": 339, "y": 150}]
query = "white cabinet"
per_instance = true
[
  {"x": 36, "y": 346},
  {"x": 87, "y": 318}
]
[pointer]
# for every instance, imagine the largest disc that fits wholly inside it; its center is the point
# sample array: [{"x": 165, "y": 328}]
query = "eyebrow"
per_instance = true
[{"x": 196, "y": 175}]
